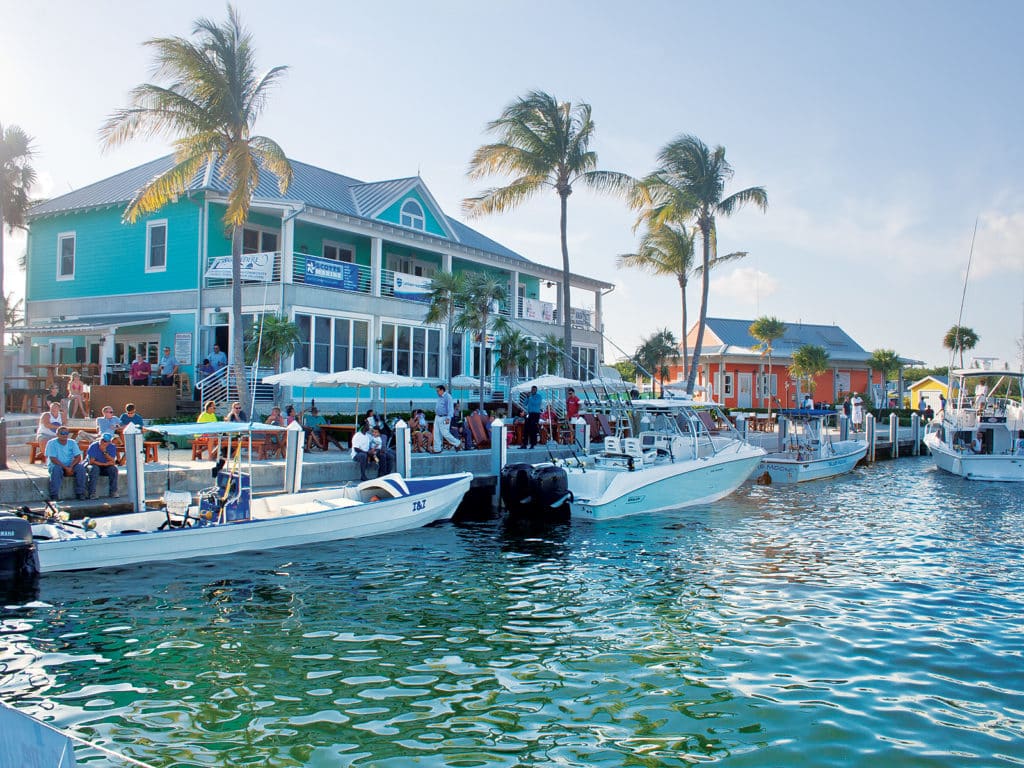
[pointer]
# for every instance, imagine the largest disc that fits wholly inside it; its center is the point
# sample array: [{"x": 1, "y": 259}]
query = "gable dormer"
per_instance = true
[{"x": 405, "y": 203}]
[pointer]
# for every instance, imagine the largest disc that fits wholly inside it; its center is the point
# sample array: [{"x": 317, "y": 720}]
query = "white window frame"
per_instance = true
[
  {"x": 409, "y": 265},
  {"x": 429, "y": 332},
  {"x": 150, "y": 226},
  {"x": 724, "y": 388},
  {"x": 262, "y": 230},
  {"x": 345, "y": 252},
  {"x": 410, "y": 219},
  {"x": 333, "y": 364},
  {"x": 61, "y": 237}
]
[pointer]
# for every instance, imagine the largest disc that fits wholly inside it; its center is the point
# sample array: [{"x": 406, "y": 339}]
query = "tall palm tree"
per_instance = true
[
  {"x": 550, "y": 354},
  {"x": 17, "y": 176},
  {"x": 210, "y": 105},
  {"x": 689, "y": 184},
  {"x": 886, "y": 362},
  {"x": 445, "y": 289},
  {"x": 809, "y": 362},
  {"x": 960, "y": 338},
  {"x": 270, "y": 340},
  {"x": 667, "y": 249},
  {"x": 480, "y": 295},
  {"x": 542, "y": 143},
  {"x": 766, "y": 330}
]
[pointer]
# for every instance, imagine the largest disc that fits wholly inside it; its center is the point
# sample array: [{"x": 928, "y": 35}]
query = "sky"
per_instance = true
[{"x": 882, "y": 132}]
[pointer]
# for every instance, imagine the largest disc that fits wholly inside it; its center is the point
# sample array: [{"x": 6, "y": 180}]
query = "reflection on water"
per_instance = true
[{"x": 868, "y": 621}]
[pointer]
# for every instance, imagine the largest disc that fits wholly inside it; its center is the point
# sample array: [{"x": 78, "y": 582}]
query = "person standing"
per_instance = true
[
  {"x": 217, "y": 358},
  {"x": 168, "y": 366},
  {"x": 64, "y": 459},
  {"x": 534, "y": 405},
  {"x": 443, "y": 412},
  {"x": 857, "y": 407},
  {"x": 139, "y": 372},
  {"x": 572, "y": 404},
  {"x": 102, "y": 458}
]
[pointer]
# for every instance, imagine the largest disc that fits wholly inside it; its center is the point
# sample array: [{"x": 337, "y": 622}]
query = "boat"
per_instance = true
[
  {"x": 685, "y": 453},
  {"x": 809, "y": 453},
  {"x": 979, "y": 435}
]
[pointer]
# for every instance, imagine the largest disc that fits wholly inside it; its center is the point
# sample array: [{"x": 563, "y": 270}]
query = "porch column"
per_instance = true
[
  {"x": 287, "y": 249},
  {"x": 598, "y": 314},
  {"x": 106, "y": 352},
  {"x": 376, "y": 247},
  {"x": 514, "y": 309},
  {"x": 446, "y": 262}
]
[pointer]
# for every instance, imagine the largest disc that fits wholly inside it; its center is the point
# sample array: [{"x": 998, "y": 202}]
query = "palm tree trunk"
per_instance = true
[
  {"x": 682, "y": 293},
  {"x": 237, "y": 340},
  {"x": 566, "y": 308},
  {"x": 705, "y": 231},
  {"x": 3, "y": 345},
  {"x": 483, "y": 359}
]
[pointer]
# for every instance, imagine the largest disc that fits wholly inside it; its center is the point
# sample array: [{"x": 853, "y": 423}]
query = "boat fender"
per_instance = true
[
  {"x": 375, "y": 497},
  {"x": 629, "y": 464}
]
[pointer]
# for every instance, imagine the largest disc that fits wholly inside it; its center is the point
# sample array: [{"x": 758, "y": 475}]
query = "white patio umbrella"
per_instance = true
[
  {"x": 547, "y": 381},
  {"x": 353, "y": 377},
  {"x": 300, "y": 377},
  {"x": 386, "y": 380}
]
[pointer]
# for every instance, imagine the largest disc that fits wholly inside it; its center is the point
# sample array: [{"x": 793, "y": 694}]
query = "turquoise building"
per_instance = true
[{"x": 349, "y": 262}]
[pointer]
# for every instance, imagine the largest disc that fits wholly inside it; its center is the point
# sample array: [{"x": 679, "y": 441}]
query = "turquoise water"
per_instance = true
[{"x": 873, "y": 620}]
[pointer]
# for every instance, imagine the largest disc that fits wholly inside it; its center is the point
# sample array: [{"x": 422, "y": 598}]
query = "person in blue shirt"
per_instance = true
[
  {"x": 168, "y": 366},
  {"x": 131, "y": 417},
  {"x": 534, "y": 405},
  {"x": 217, "y": 358},
  {"x": 102, "y": 458},
  {"x": 64, "y": 459},
  {"x": 443, "y": 412},
  {"x": 108, "y": 422}
]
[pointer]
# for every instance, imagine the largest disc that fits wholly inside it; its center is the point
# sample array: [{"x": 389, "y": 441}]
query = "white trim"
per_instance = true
[
  {"x": 339, "y": 246},
  {"x": 150, "y": 225},
  {"x": 420, "y": 217},
  {"x": 61, "y": 237}
]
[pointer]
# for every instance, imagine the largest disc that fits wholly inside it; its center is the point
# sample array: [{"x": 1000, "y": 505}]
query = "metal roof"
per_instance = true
[
  {"x": 313, "y": 186},
  {"x": 77, "y": 326},
  {"x": 735, "y": 334}
]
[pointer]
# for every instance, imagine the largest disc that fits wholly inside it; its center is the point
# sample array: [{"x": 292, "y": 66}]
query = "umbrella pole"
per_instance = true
[{"x": 355, "y": 416}]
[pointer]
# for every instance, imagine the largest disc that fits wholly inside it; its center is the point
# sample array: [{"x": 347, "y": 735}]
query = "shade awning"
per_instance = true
[{"x": 77, "y": 326}]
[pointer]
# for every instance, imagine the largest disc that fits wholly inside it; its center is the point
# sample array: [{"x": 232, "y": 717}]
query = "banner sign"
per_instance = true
[
  {"x": 412, "y": 287},
  {"x": 535, "y": 309},
  {"x": 331, "y": 273},
  {"x": 580, "y": 317},
  {"x": 255, "y": 266}
]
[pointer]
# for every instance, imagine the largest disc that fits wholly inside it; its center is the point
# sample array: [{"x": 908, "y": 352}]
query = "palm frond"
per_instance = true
[
  {"x": 162, "y": 188},
  {"x": 499, "y": 199}
]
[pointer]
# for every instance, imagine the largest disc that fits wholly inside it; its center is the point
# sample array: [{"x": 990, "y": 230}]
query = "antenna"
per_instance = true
[{"x": 963, "y": 299}]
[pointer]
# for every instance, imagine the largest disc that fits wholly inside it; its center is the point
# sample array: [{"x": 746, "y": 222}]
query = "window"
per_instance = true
[
  {"x": 258, "y": 240},
  {"x": 457, "y": 342},
  {"x": 584, "y": 363},
  {"x": 408, "y": 265},
  {"x": 767, "y": 386},
  {"x": 337, "y": 252},
  {"x": 66, "y": 256},
  {"x": 410, "y": 350},
  {"x": 329, "y": 344},
  {"x": 726, "y": 389},
  {"x": 156, "y": 246},
  {"x": 412, "y": 215}
]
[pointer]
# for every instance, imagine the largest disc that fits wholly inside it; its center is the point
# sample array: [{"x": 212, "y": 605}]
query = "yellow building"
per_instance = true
[{"x": 930, "y": 388}]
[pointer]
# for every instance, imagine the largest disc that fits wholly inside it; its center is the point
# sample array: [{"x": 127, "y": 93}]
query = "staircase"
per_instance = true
[
  {"x": 21, "y": 429},
  {"x": 215, "y": 387}
]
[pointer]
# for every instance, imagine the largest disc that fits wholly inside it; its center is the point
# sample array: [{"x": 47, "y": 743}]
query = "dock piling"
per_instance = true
[
  {"x": 869, "y": 435},
  {"x": 915, "y": 434},
  {"x": 894, "y": 436},
  {"x": 499, "y": 457}
]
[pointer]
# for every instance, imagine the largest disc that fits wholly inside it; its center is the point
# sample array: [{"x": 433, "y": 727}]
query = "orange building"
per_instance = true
[{"x": 735, "y": 372}]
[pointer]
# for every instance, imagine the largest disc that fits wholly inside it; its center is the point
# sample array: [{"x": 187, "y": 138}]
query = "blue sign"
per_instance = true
[{"x": 332, "y": 274}]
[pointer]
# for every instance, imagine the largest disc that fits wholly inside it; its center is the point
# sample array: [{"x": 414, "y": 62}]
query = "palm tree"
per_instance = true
[
  {"x": 16, "y": 179},
  {"x": 689, "y": 184},
  {"x": 655, "y": 351},
  {"x": 551, "y": 353},
  {"x": 809, "y": 361},
  {"x": 14, "y": 313},
  {"x": 885, "y": 361},
  {"x": 667, "y": 249},
  {"x": 542, "y": 143},
  {"x": 445, "y": 288},
  {"x": 514, "y": 350},
  {"x": 478, "y": 299},
  {"x": 766, "y": 330},
  {"x": 960, "y": 338},
  {"x": 210, "y": 106},
  {"x": 277, "y": 338}
]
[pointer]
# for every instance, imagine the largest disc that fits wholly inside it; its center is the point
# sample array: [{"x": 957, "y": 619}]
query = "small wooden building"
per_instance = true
[{"x": 929, "y": 389}]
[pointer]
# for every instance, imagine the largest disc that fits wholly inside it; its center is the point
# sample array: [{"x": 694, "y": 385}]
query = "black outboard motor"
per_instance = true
[
  {"x": 540, "y": 494},
  {"x": 19, "y": 563}
]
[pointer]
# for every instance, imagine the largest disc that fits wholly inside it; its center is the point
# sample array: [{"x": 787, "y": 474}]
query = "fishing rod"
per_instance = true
[
  {"x": 87, "y": 523},
  {"x": 55, "y": 512}
]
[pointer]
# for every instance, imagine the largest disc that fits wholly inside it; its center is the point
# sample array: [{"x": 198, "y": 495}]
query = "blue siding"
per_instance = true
[{"x": 392, "y": 214}]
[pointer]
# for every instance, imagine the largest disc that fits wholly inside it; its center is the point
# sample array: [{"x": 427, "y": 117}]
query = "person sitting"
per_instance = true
[
  {"x": 313, "y": 424},
  {"x": 131, "y": 416},
  {"x": 202, "y": 371},
  {"x": 64, "y": 459},
  {"x": 274, "y": 439},
  {"x": 76, "y": 396},
  {"x": 929, "y": 414},
  {"x": 102, "y": 458},
  {"x": 50, "y": 422},
  {"x": 235, "y": 413},
  {"x": 977, "y": 444},
  {"x": 419, "y": 432},
  {"x": 379, "y": 445},
  {"x": 139, "y": 372},
  {"x": 290, "y": 415},
  {"x": 108, "y": 422},
  {"x": 209, "y": 413},
  {"x": 362, "y": 450},
  {"x": 54, "y": 395}
]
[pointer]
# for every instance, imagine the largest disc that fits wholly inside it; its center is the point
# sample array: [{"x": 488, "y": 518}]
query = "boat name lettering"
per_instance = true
[
  {"x": 417, "y": 506},
  {"x": 634, "y": 499}
]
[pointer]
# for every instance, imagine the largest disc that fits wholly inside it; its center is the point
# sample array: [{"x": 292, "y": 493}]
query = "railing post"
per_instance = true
[
  {"x": 134, "y": 453},
  {"x": 894, "y": 436},
  {"x": 869, "y": 435},
  {"x": 293, "y": 451},
  {"x": 403, "y": 449},
  {"x": 844, "y": 427},
  {"x": 499, "y": 456},
  {"x": 581, "y": 433},
  {"x": 915, "y": 434},
  {"x": 783, "y": 432}
]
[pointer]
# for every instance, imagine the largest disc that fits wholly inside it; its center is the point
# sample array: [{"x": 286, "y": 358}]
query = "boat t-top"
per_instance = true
[{"x": 808, "y": 451}]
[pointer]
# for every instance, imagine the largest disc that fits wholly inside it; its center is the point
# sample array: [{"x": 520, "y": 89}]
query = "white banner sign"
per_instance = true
[
  {"x": 255, "y": 266},
  {"x": 580, "y": 317},
  {"x": 535, "y": 309},
  {"x": 413, "y": 287}
]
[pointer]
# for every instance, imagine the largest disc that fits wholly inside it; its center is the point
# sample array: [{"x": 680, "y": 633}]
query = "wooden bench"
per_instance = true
[
  {"x": 152, "y": 451},
  {"x": 37, "y": 452}
]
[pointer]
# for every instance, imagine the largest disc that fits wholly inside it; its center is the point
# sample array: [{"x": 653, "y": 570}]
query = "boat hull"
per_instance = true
[
  {"x": 782, "y": 469},
  {"x": 1002, "y": 468},
  {"x": 347, "y": 522},
  {"x": 661, "y": 487}
]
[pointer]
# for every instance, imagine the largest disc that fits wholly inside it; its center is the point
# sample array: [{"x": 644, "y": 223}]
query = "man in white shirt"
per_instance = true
[
  {"x": 443, "y": 412},
  {"x": 363, "y": 452}
]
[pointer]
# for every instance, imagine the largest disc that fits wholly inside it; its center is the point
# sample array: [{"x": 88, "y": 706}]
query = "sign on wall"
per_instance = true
[
  {"x": 183, "y": 348},
  {"x": 412, "y": 287},
  {"x": 332, "y": 274},
  {"x": 535, "y": 309},
  {"x": 255, "y": 266}
]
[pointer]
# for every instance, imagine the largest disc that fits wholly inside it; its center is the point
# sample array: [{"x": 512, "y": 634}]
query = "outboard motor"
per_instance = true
[
  {"x": 19, "y": 563},
  {"x": 539, "y": 494}
]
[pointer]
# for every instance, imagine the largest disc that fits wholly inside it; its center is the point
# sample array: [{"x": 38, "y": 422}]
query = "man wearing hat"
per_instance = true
[
  {"x": 102, "y": 458},
  {"x": 64, "y": 459}
]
